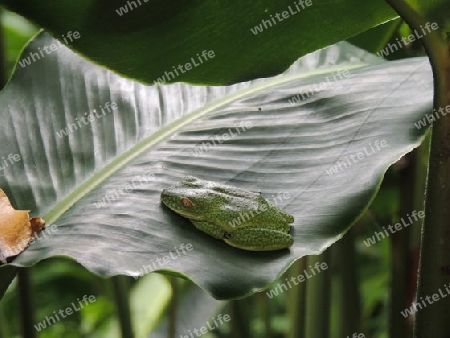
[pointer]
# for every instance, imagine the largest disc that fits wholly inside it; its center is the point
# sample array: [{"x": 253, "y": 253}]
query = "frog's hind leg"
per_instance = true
[
  {"x": 210, "y": 229},
  {"x": 254, "y": 239}
]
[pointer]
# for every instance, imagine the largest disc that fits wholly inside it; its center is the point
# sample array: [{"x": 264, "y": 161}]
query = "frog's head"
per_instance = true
[{"x": 190, "y": 198}]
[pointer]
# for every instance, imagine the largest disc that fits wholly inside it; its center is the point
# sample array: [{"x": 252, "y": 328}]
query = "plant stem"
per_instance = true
[
  {"x": 264, "y": 313},
  {"x": 400, "y": 250},
  {"x": 296, "y": 302},
  {"x": 26, "y": 303},
  {"x": 240, "y": 323},
  {"x": 431, "y": 316},
  {"x": 7, "y": 274},
  {"x": 434, "y": 268},
  {"x": 121, "y": 293},
  {"x": 348, "y": 286},
  {"x": 318, "y": 298}
]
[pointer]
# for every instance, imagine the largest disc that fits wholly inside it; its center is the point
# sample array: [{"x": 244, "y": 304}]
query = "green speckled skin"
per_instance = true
[{"x": 241, "y": 218}]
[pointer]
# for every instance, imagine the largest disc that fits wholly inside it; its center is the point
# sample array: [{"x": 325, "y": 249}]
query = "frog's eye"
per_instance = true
[{"x": 186, "y": 202}]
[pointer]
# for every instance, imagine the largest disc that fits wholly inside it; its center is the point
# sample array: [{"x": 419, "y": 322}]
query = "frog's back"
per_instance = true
[{"x": 233, "y": 206}]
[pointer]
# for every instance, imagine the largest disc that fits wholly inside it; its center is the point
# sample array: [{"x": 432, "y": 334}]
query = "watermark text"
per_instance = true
[
  {"x": 52, "y": 319},
  {"x": 11, "y": 158},
  {"x": 46, "y": 50},
  {"x": 378, "y": 236},
  {"x": 160, "y": 262},
  {"x": 115, "y": 194},
  {"x": 86, "y": 119},
  {"x": 315, "y": 88},
  {"x": 219, "y": 139},
  {"x": 219, "y": 320},
  {"x": 423, "y": 303},
  {"x": 297, "y": 7},
  {"x": 349, "y": 160},
  {"x": 192, "y": 63},
  {"x": 313, "y": 270},
  {"x": 404, "y": 41}
]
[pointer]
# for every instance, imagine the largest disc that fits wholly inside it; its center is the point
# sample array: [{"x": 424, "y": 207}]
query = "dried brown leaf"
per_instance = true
[{"x": 16, "y": 229}]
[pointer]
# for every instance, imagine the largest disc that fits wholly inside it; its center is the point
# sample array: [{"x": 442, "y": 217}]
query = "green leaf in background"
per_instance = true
[
  {"x": 17, "y": 33},
  {"x": 373, "y": 40},
  {"x": 249, "y": 39},
  {"x": 101, "y": 184}
]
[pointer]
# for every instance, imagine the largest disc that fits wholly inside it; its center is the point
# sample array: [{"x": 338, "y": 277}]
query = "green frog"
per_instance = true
[{"x": 241, "y": 218}]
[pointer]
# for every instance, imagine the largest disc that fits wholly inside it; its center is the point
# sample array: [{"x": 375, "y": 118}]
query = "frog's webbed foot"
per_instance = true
[{"x": 210, "y": 229}]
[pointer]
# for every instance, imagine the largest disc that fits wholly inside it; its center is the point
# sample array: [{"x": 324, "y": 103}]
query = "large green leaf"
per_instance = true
[
  {"x": 155, "y": 130},
  {"x": 158, "y": 35}
]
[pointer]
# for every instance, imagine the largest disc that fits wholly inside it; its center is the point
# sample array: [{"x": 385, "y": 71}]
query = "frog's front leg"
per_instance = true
[
  {"x": 211, "y": 229},
  {"x": 255, "y": 239}
]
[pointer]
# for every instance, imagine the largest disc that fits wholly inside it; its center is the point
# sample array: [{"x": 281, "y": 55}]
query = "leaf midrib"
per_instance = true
[{"x": 141, "y": 147}]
